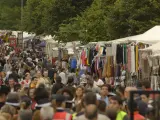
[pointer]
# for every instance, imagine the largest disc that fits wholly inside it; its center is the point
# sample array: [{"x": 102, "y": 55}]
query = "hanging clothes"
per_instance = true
[
  {"x": 109, "y": 50},
  {"x": 83, "y": 57},
  {"x": 114, "y": 51},
  {"x": 108, "y": 74},
  {"x": 137, "y": 58},
  {"x": 133, "y": 59},
  {"x": 119, "y": 54},
  {"x": 124, "y": 54},
  {"x": 129, "y": 58}
]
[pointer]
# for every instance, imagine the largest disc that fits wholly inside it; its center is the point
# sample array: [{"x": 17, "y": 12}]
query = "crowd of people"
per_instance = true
[{"x": 32, "y": 88}]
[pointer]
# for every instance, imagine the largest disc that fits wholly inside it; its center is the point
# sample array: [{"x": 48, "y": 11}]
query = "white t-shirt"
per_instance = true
[
  {"x": 98, "y": 83},
  {"x": 63, "y": 77}
]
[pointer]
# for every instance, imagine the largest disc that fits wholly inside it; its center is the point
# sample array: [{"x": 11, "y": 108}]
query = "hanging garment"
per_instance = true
[
  {"x": 104, "y": 51},
  {"x": 132, "y": 59},
  {"x": 137, "y": 59},
  {"x": 104, "y": 68},
  {"x": 124, "y": 54},
  {"x": 114, "y": 51},
  {"x": 101, "y": 50},
  {"x": 108, "y": 67},
  {"x": 83, "y": 57},
  {"x": 129, "y": 59},
  {"x": 119, "y": 54},
  {"x": 109, "y": 50}
]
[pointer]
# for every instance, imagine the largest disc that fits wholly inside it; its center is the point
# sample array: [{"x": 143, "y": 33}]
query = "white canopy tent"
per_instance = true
[
  {"x": 151, "y": 36},
  {"x": 26, "y": 36},
  {"x": 123, "y": 40},
  {"x": 155, "y": 49}
]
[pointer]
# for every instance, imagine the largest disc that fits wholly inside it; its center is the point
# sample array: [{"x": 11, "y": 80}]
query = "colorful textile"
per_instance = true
[
  {"x": 108, "y": 67},
  {"x": 137, "y": 59},
  {"x": 129, "y": 58},
  {"x": 133, "y": 59},
  {"x": 124, "y": 54}
]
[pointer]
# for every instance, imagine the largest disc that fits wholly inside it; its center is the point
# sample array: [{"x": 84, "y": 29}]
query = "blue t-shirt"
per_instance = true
[{"x": 73, "y": 63}]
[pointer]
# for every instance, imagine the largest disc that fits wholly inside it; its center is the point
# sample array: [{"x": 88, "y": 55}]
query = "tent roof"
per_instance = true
[
  {"x": 123, "y": 40},
  {"x": 150, "y": 37},
  {"x": 155, "y": 47}
]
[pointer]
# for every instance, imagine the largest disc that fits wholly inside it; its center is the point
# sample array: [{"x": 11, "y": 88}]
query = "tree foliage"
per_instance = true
[
  {"x": 131, "y": 17},
  {"x": 45, "y": 16},
  {"x": 84, "y": 20},
  {"x": 10, "y": 14}
]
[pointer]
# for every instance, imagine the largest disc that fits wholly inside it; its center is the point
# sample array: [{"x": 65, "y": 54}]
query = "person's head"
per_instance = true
[
  {"x": 67, "y": 93},
  {"x": 111, "y": 113},
  {"x": 58, "y": 79},
  {"x": 35, "y": 80},
  {"x": 45, "y": 73},
  {"x": 25, "y": 115},
  {"x": 146, "y": 85},
  {"x": 115, "y": 102},
  {"x": 102, "y": 106},
  {"x": 62, "y": 70},
  {"x": 17, "y": 87},
  {"x": 13, "y": 99},
  {"x": 25, "y": 102},
  {"x": 95, "y": 78},
  {"x": 36, "y": 115},
  {"x": 7, "y": 116},
  {"x": 39, "y": 74},
  {"x": 105, "y": 90},
  {"x": 79, "y": 91},
  {"x": 7, "y": 61},
  {"x": 4, "y": 90},
  {"x": 31, "y": 93},
  {"x": 70, "y": 80},
  {"x": 91, "y": 112},
  {"x": 11, "y": 82},
  {"x": 145, "y": 98},
  {"x": 9, "y": 110},
  {"x": 128, "y": 90},
  {"x": 90, "y": 82},
  {"x": 27, "y": 76},
  {"x": 41, "y": 93},
  {"x": 46, "y": 113},
  {"x": 90, "y": 98},
  {"x": 60, "y": 101},
  {"x": 120, "y": 91},
  {"x": 2, "y": 117},
  {"x": 134, "y": 106}
]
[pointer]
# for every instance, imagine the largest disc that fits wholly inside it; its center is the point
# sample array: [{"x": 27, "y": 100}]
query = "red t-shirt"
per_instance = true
[
  {"x": 62, "y": 116},
  {"x": 137, "y": 116}
]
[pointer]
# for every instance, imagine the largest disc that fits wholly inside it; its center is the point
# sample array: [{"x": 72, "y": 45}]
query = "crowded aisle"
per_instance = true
[{"x": 35, "y": 88}]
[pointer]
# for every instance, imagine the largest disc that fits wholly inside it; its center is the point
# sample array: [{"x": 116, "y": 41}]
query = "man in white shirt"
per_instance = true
[
  {"x": 62, "y": 74},
  {"x": 7, "y": 67},
  {"x": 98, "y": 82}
]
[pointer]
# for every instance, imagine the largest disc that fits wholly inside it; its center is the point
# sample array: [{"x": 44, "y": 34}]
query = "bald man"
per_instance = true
[
  {"x": 91, "y": 112},
  {"x": 128, "y": 90},
  {"x": 127, "y": 96}
]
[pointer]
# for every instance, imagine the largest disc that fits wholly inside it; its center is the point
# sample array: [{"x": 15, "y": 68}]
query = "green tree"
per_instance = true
[
  {"x": 45, "y": 16},
  {"x": 131, "y": 17},
  {"x": 90, "y": 26},
  {"x": 10, "y": 14}
]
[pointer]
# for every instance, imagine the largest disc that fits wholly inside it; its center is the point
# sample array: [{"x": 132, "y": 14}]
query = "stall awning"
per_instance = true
[{"x": 151, "y": 36}]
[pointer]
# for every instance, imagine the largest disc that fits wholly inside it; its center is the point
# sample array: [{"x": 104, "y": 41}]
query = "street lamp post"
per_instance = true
[{"x": 22, "y": 22}]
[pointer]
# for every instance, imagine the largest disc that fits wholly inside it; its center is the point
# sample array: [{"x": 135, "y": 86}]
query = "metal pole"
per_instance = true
[
  {"x": 22, "y": 23},
  {"x": 21, "y": 13}
]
